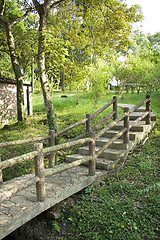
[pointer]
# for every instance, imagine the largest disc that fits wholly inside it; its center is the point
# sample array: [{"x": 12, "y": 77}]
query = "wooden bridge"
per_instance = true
[{"x": 23, "y": 198}]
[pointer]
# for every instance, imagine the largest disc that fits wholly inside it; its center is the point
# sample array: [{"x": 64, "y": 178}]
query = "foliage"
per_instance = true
[
  {"x": 138, "y": 69},
  {"x": 98, "y": 77}
]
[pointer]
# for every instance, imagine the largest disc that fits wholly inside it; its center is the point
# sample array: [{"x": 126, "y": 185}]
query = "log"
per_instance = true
[
  {"x": 126, "y": 125},
  {"x": 66, "y": 145},
  {"x": 103, "y": 121},
  {"x": 71, "y": 127},
  {"x": 148, "y": 109},
  {"x": 58, "y": 169},
  {"x": 51, "y": 143},
  {"x": 109, "y": 126},
  {"x": 19, "y": 159},
  {"x": 19, "y": 142},
  {"x": 138, "y": 105},
  {"x": 115, "y": 108},
  {"x": 102, "y": 109},
  {"x": 92, "y": 162},
  {"x": 88, "y": 123},
  {"x": 39, "y": 172},
  {"x": 138, "y": 119}
]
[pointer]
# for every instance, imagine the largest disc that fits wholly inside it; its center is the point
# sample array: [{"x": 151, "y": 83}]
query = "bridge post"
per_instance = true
[
  {"x": 39, "y": 172},
  {"x": 126, "y": 125},
  {"x": 88, "y": 123},
  {"x": 1, "y": 178},
  {"x": 51, "y": 143},
  {"x": 92, "y": 163},
  {"x": 115, "y": 107},
  {"x": 148, "y": 109}
]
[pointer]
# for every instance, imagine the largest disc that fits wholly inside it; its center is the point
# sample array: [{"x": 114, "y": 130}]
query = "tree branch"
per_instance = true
[
  {"x": 2, "y": 7},
  {"x": 56, "y": 3},
  {"x": 22, "y": 17}
]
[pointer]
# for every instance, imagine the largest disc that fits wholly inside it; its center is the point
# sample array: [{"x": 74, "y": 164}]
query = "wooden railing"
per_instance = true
[{"x": 39, "y": 152}]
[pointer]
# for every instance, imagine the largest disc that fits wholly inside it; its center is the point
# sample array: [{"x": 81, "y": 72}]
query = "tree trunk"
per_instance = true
[
  {"x": 43, "y": 14},
  {"x": 62, "y": 80},
  {"x": 17, "y": 71}
]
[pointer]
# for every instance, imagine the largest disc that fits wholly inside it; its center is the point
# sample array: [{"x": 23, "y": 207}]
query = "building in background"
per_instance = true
[{"x": 8, "y": 99}]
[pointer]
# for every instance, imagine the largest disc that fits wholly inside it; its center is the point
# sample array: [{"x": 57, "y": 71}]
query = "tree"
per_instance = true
[
  {"x": 8, "y": 19},
  {"x": 43, "y": 10},
  {"x": 100, "y": 25}
]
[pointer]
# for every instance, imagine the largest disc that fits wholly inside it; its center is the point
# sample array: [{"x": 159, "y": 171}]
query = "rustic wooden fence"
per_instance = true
[{"x": 39, "y": 151}]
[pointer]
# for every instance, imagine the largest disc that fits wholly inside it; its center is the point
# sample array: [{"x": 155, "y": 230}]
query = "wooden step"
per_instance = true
[
  {"x": 101, "y": 163},
  {"x": 118, "y": 144},
  {"x": 135, "y": 115},
  {"x": 112, "y": 133},
  {"x": 109, "y": 153},
  {"x": 139, "y": 127}
]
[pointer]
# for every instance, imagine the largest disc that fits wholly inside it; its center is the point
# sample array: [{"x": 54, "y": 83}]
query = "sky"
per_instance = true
[{"x": 151, "y": 12}]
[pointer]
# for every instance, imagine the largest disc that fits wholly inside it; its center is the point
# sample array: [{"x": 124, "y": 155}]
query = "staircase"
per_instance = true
[{"x": 118, "y": 150}]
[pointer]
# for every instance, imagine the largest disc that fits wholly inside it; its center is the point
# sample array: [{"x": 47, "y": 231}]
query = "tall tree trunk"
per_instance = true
[
  {"x": 43, "y": 14},
  {"x": 62, "y": 80},
  {"x": 17, "y": 71}
]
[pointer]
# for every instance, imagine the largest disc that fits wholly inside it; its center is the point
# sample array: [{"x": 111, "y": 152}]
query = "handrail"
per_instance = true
[
  {"x": 138, "y": 119},
  {"x": 125, "y": 130},
  {"x": 138, "y": 105},
  {"x": 58, "y": 169},
  {"x": 110, "y": 142},
  {"x": 120, "y": 133},
  {"x": 86, "y": 119},
  {"x": 56, "y": 148},
  {"x": 40, "y": 173},
  {"x": 19, "y": 142},
  {"x": 28, "y": 156},
  {"x": 103, "y": 121},
  {"x": 15, "y": 160},
  {"x": 102, "y": 109},
  {"x": 30, "y": 140},
  {"x": 71, "y": 127}
]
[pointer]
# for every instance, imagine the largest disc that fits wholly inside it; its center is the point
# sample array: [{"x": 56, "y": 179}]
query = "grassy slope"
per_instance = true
[{"x": 126, "y": 204}]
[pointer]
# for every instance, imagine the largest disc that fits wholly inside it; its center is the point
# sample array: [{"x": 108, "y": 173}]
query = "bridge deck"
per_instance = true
[{"x": 22, "y": 207}]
